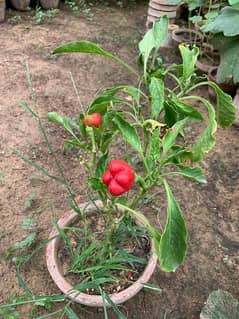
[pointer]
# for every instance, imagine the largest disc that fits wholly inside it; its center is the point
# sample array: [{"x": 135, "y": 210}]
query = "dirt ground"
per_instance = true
[{"x": 211, "y": 210}]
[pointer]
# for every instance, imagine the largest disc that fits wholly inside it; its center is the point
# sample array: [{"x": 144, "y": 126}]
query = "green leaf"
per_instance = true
[
  {"x": 128, "y": 132},
  {"x": 94, "y": 283},
  {"x": 177, "y": 155},
  {"x": 22, "y": 283},
  {"x": 233, "y": 2},
  {"x": 170, "y": 115},
  {"x": 226, "y": 111},
  {"x": 102, "y": 102},
  {"x": 152, "y": 287},
  {"x": 196, "y": 19},
  {"x": 171, "y": 135},
  {"x": 173, "y": 243},
  {"x": 207, "y": 139},
  {"x": 82, "y": 47},
  {"x": 154, "y": 146},
  {"x": 89, "y": 47},
  {"x": 153, "y": 39},
  {"x": 38, "y": 167},
  {"x": 27, "y": 242},
  {"x": 189, "y": 57},
  {"x": 226, "y": 22},
  {"x": 228, "y": 69},
  {"x": 184, "y": 109},
  {"x": 132, "y": 91},
  {"x": 48, "y": 315},
  {"x": 29, "y": 200},
  {"x": 115, "y": 308},
  {"x": 101, "y": 165},
  {"x": 156, "y": 90},
  {"x": 28, "y": 109},
  {"x": 96, "y": 184},
  {"x": 194, "y": 173},
  {"x": 70, "y": 313},
  {"x": 28, "y": 223},
  {"x": 61, "y": 120}
]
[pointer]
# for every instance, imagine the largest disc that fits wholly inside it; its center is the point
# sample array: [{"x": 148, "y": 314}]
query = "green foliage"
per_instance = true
[
  {"x": 228, "y": 70},
  {"x": 173, "y": 242},
  {"x": 40, "y": 15},
  {"x": 152, "y": 122},
  {"x": 226, "y": 22},
  {"x": 152, "y": 40}
]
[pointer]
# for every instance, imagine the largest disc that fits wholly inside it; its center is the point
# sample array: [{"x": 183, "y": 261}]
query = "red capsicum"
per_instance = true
[
  {"x": 119, "y": 177},
  {"x": 94, "y": 119}
]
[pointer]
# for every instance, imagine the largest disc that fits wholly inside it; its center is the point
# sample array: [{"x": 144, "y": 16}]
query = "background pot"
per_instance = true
[
  {"x": 2, "y": 10},
  {"x": 90, "y": 300},
  {"x": 188, "y": 36},
  {"x": 159, "y": 8},
  {"x": 208, "y": 58},
  {"x": 229, "y": 88},
  {"x": 21, "y": 5},
  {"x": 49, "y": 4}
]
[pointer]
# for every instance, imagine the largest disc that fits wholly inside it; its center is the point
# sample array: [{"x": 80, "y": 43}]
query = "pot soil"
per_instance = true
[{"x": 64, "y": 284}]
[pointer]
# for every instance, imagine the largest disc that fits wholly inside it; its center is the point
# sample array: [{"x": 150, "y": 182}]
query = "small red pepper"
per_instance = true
[
  {"x": 119, "y": 177},
  {"x": 94, "y": 119}
]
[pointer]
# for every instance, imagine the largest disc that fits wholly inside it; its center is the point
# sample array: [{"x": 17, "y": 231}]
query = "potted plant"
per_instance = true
[
  {"x": 108, "y": 244},
  {"x": 224, "y": 27}
]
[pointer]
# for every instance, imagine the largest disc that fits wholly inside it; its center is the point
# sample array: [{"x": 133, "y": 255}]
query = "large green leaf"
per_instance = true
[
  {"x": 153, "y": 39},
  {"x": 156, "y": 89},
  {"x": 207, "y": 139},
  {"x": 194, "y": 173},
  {"x": 173, "y": 243},
  {"x": 89, "y": 47},
  {"x": 228, "y": 69},
  {"x": 82, "y": 47},
  {"x": 233, "y": 2},
  {"x": 63, "y": 121},
  {"x": 171, "y": 135},
  {"x": 226, "y": 111},
  {"x": 226, "y": 22},
  {"x": 128, "y": 132},
  {"x": 189, "y": 57},
  {"x": 184, "y": 109}
]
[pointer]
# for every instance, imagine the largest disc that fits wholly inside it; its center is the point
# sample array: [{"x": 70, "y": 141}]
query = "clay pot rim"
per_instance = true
[
  {"x": 90, "y": 300},
  {"x": 177, "y": 38},
  {"x": 205, "y": 67}
]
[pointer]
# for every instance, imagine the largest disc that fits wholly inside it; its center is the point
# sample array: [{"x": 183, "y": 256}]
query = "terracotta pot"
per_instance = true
[
  {"x": 188, "y": 36},
  {"x": 49, "y": 4},
  {"x": 208, "y": 58},
  {"x": 89, "y": 300},
  {"x": 159, "y": 8},
  {"x": 2, "y": 10},
  {"x": 229, "y": 88},
  {"x": 21, "y": 5}
]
